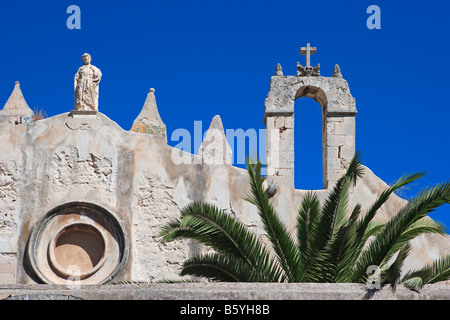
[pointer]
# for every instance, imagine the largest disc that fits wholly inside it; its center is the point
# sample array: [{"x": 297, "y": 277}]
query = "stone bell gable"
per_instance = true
[
  {"x": 338, "y": 125},
  {"x": 338, "y": 121}
]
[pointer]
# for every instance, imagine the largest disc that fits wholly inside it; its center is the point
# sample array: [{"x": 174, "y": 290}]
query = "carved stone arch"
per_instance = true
[
  {"x": 318, "y": 95},
  {"x": 339, "y": 111},
  {"x": 315, "y": 93}
]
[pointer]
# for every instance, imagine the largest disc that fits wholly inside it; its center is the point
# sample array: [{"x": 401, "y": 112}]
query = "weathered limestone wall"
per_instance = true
[
  {"x": 46, "y": 164},
  {"x": 62, "y": 160},
  {"x": 340, "y": 145},
  {"x": 11, "y": 180}
]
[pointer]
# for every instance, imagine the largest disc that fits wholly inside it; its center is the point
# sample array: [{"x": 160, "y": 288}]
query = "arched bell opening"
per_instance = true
[{"x": 310, "y": 139}]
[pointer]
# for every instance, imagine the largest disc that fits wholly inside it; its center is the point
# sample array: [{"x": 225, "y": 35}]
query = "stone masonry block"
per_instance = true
[
  {"x": 287, "y": 134},
  {"x": 279, "y": 122},
  {"x": 350, "y": 141},
  {"x": 289, "y": 122},
  {"x": 8, "y": 268},
  {"x": 286, "y": 145},
  {"x": 347, "y": 153},
  {"x": 273, "y": 160},
  {"x": 332, "y": 152},
  {"x": 275, "y": 144},
  {"x": 286, "y": 160},
  {"x": 345, "y": 128},
  {"x": 349, "y": 120},
  {"x": 334, "y": 164},
  {"x": 283, "y": 122},
  {"x": 336, "y": 140},
  {"x": 270, "y": 122},
  {"x": 330, "y": 126},
  {"x": 334, "y": 175},
  {"x": 335, "y": 119},
  {"x": 283, "y": 177}
]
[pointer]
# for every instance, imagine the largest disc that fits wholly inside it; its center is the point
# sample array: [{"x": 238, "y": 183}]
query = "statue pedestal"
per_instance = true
[
  {"x": 82, "y": 120},
  {"x": 82, "y": 113}
]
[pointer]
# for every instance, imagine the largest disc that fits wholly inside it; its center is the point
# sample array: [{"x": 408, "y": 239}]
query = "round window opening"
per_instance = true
[
  {"x": 77, "y": 251},
  {"x": 77, "y": 242}
]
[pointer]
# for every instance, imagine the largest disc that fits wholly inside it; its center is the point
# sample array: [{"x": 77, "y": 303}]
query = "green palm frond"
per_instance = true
[
  {"x": 372, "y": 229},
  {"x": 333, "y": 243},
  {"x": 389, "y": 239},
  {"x": 437, "y": 271},
  {"x": 392, "y": 274},
  {"x": 422, "y": 226},
  {"x": 282, "y": 243},
  {"x": 220, "y": 267},
  {"x": 382, "y": 198},
  {"x": 440, "y": 270},
  {"x": 334, "y": 231},
  {"x": 333, "y": 211},
  {"x": 213, "y": 227},
  {"x": 413, "y": 283},
  {"x": 348, "y": 248},
  {"x": 170, "y": 281},
  {"x": 307, "y": 218},
  {"x": 355, "y": 168}
]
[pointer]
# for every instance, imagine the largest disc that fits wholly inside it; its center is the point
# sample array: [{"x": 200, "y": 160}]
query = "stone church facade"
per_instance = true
[{"x": 81, "y": 199}]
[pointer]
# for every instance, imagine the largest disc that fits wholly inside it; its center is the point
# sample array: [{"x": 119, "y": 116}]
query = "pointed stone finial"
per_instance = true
[
  {"x": 337, "y": 72},
  {"x": 16, "y": 104},
  {"x": 278, "y": 71},
  {"x": 149, "y": 121},
  {"x": 215, "y": 148},
  {"x": 16, "y": 108}
]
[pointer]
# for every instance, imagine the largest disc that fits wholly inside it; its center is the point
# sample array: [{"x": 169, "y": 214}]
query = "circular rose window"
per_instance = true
[
  {"x": 77, "y": 242},
  {"x": 77, "y": 251}
]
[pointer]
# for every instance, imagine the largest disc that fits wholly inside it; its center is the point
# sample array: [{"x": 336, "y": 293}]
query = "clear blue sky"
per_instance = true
[{"x": 216, "y": 57}]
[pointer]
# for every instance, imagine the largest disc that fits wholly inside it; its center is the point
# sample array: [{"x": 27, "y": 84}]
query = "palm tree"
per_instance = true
[{"x": 331, "y": 244}]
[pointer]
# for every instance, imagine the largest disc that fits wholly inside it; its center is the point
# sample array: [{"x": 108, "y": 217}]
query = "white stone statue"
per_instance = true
[{"x": 86, "y": 85}]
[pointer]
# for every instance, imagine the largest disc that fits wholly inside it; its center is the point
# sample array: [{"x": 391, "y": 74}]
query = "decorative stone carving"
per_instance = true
[
  {"x": 82, "y": 120},
  {"x": 77, "y": 243},
  {"x": 78, "y": 166},
  {"x": 9, "y": 196},
  {"x": 86, "y": 86},
  {"x": 308, "y": 70}
]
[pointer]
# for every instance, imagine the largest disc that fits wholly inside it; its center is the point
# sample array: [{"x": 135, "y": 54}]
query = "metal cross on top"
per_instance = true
[{"x": 308, "y": 70}]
